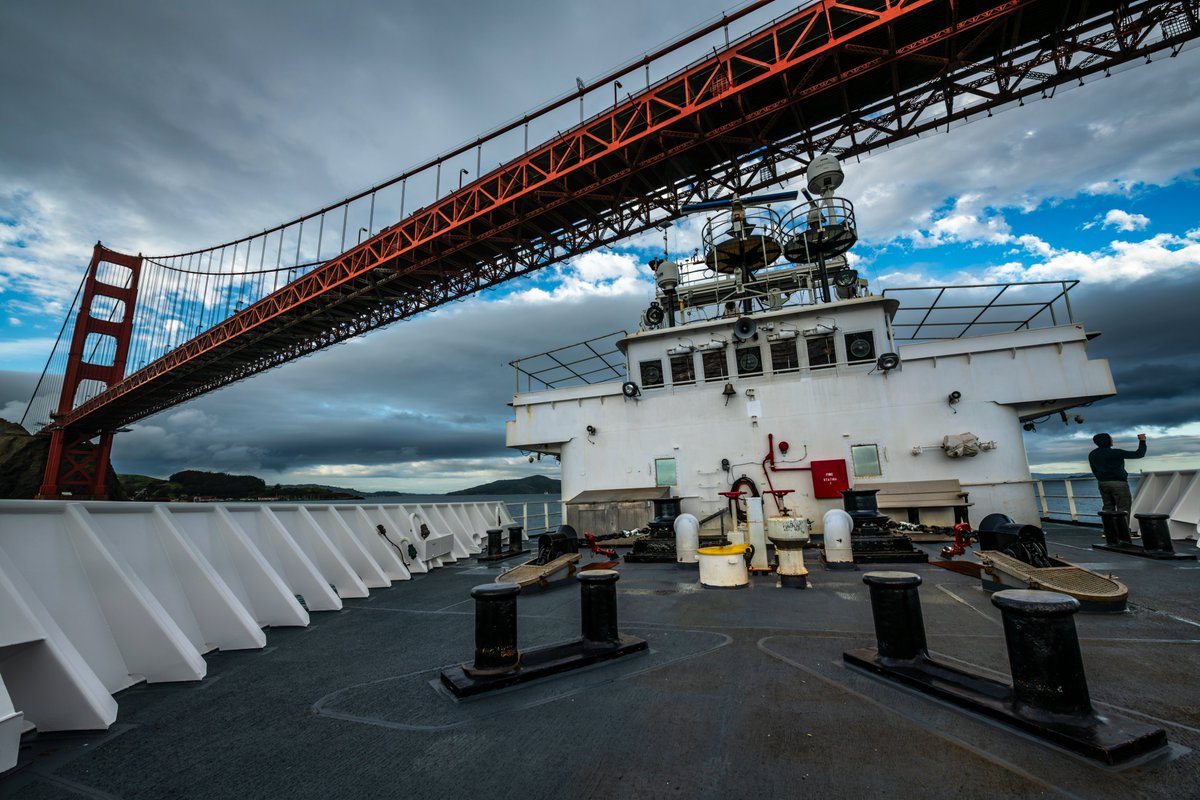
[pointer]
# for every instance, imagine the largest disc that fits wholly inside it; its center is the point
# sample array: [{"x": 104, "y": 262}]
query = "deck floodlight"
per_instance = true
[{"x": 888, "y": 362}]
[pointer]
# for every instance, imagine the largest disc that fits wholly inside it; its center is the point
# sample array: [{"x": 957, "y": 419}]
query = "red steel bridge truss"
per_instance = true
[{"x": 840, "y": 76}]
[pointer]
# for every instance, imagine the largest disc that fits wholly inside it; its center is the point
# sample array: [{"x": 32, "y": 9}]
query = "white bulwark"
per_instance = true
[{"x": 97, "y": 596}]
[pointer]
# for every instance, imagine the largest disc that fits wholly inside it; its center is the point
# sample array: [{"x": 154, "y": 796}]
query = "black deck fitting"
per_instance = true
[
  {"x": 516, "y": 537},
  {"x": 598, "y": 607},
  {"x": 495, "y": 628},
  {"x": 896, "y": 607},
  {"x": 496, "y": 549},
  {"x": 1049, "y": 696},
  {"x": 1043, "y": 652},
  {"x": 1116, "y": 527},
  {"x": 1156, "y": 537},
  {"x": 601, "y": 641},
  {"x": 871, "y": 541}
]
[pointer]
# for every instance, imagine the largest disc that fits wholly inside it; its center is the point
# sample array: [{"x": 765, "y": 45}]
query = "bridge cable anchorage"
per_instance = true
[{"x": 752, "y": 114}]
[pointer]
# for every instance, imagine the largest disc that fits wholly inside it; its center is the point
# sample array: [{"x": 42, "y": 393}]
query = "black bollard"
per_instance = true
[
  {"x": 495, "y": 544},
  {"x": 1156, "y": 534},
  {"x": 1048, "y": 696},
  {"x": 896, "y": 607},
  {"x": 498, "y": 663},
  {"x": 515, "y": 537},
  {"x": 1116, "y": 528},
  {"x": 1108, "y": 519},
  {"x": 496, "y": 628},
  {"x": 1043, "y": 653},
  {"x": 598, "y": 607}
]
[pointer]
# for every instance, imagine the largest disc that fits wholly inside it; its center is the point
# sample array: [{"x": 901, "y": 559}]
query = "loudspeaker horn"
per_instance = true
[{"x": 745, "y": 328}]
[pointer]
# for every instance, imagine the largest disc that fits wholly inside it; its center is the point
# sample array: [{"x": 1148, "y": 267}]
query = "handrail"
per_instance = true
[{"x": 1040, "y": 304}]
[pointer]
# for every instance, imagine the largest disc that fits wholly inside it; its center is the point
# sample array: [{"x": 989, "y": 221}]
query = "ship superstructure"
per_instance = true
[{"x": 767, "y": 364}]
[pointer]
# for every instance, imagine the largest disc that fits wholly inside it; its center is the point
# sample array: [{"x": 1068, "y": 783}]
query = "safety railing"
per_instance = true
[
  {"x": 1071, "y": 499},
  {"x": 537, "y": 518},
  {"x": 951, "y": 312},
  {"x": 590, "y": 361}
]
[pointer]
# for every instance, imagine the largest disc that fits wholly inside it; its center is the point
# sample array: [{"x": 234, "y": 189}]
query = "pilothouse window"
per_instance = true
[
  {"x": 652, "y": 374},
  {"x": 784, "y": 356},
  {"x": 860, "y": 347},
  {"x": 749, "y": 361},
  {"x": 820, "y": 352},
  {"x": 683, "y": 369},
  {"x": 715, "y": 368}
]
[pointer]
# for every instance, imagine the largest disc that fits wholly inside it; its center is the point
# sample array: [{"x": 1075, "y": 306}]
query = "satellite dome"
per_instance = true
[{"x": 824, "y": 174}]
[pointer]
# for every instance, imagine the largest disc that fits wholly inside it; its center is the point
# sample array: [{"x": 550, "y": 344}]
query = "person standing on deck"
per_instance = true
[{"x": 1108, "y": 465}]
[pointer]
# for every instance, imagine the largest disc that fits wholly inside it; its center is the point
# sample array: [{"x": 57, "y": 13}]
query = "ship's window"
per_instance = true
[
  {"x": 749, "y": 361},
  {"x": 652, "y": 374},
  {"x": 866, "y": 460},
  {"x": 683, "y": 369},
  {"x": 664, "y": 472},
  {"x": 784, "y": 357},
  {"x": 860, "y": 347},
  {"x": 820, "y": 351},
  {"x": 715, "y": 367}
]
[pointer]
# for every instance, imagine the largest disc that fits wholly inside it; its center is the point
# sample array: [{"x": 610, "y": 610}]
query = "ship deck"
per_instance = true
[{"x": 741, "y": 694}]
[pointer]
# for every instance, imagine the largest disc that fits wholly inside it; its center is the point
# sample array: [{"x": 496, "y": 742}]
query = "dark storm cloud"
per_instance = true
[
  {"x": 428, "y": 390},
  {"x": 1148, "y": 334},
  {"x": 164, "y": 126}
]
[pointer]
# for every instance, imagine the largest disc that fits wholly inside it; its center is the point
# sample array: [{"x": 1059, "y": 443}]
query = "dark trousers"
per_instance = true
[{"x": 1116, "y": 496}]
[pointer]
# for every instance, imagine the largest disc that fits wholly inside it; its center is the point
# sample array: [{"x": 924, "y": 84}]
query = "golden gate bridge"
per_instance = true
[{"x": 690, "y": 122}]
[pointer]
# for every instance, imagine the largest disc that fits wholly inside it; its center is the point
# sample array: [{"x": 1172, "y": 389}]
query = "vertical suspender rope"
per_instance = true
[
  {"x": 320, "y": 236},
  {"x": 299, "y": 238}
]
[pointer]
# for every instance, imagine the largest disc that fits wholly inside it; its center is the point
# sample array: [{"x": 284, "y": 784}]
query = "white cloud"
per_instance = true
[
  {"x": 22, "y": 350},
  {"x": 1090, "y": 141},
  {"x": 1120, "y": 261},
  {"x": 1124, "y": 221},
  {"x": 592, "y": 275}
]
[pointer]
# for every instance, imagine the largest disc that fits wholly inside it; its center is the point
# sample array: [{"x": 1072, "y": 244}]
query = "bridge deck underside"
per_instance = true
[{"x": 747, "y": 117}]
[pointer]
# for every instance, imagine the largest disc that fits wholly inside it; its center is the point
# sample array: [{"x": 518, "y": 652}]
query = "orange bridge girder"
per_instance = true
[{"x": 844, "y": 77}]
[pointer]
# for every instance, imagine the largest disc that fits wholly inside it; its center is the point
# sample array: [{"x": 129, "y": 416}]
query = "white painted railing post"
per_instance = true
[
  {"x": 546, "y": 517},
  {"x": 1071, "y": 500},
  {"x": 1041, "y": 490}
]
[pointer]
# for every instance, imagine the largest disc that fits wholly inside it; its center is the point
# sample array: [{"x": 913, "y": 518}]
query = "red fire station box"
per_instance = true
[{"x": 829, "y": 478}]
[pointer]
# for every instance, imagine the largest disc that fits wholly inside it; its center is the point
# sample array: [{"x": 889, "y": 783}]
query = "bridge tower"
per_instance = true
[{"x": 78, "y": 462}]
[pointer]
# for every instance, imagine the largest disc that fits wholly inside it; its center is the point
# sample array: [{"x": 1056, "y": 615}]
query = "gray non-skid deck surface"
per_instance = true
[{"x": 743, "y": 694}]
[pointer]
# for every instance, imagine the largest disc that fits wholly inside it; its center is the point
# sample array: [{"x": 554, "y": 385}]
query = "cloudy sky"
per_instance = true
[{"x": 163, "y": 127}]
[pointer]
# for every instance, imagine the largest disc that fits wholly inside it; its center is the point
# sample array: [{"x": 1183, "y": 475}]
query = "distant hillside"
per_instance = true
[
  {"x": 534, "y": 484},
  {"x": 197, "y": 484}
]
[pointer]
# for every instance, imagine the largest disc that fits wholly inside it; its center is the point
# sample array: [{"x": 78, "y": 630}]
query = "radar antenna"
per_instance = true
[{"x": 742, "y": 237}]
